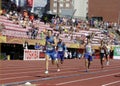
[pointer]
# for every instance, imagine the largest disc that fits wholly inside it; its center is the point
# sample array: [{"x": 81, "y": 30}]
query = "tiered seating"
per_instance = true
[
  {"x": 97, "y": 37},
  {"x": 12, "y": 33},
  {"x": 82, "y": 35},
  {"x": 14, "y": 30}
]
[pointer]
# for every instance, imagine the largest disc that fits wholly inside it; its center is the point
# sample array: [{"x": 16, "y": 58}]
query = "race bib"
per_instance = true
[
  {"x": 102, "y": 51},
  {"x": 49, "y": 47},
  {"x": 60, "y": 49}
]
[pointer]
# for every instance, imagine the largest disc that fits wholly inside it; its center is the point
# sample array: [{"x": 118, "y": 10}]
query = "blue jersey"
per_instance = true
[
  {"x": 49, "y": 45},
  {"x": 61, "y": 47}
]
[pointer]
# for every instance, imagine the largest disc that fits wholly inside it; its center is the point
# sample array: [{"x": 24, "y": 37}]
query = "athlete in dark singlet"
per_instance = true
[{"x": 61, "y": 48}]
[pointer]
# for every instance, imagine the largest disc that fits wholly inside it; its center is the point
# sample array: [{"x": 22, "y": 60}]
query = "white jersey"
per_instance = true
[{"x": 88, "y": 49}]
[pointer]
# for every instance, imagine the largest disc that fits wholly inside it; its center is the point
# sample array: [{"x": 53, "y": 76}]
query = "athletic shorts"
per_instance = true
[
  {"x": 51, "y": 54},
  {"x": 88, "y": 56},
  {"x": 60, "y": 55},
  {"x": 102, "y": 55}
]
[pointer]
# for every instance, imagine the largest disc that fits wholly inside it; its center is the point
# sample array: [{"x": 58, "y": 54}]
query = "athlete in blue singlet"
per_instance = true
[
  {"x": 61, "y": 48},
  {"x": 50, "y": 49}
]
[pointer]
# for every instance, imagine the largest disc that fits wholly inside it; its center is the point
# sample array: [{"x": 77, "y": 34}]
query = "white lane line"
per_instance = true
[
  {"x": 41, "y": 70},
  {"x": 37, "y": 71},
  {"x": 58, "y": 73},
  {"x": 14, "y": 78},
  {"x": 19, "y": 67},
  {"x": 111, "y": 83},
  {"x": 49, "y": 78},
  {"x": 79, "y": 80},
  {"x": 33, "y": 68},
  {"x": 73, "y": 71},
  {"x": 52, "y": 68}
]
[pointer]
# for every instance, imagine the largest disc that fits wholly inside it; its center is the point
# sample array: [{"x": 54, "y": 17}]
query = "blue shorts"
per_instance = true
[
  {"x": 51, "y": 54},
  {"x": 60, "y": 56},
  {"x": 88, "y": 56}
]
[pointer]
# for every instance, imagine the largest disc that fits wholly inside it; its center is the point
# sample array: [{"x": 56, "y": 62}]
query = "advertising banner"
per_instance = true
[
  {"x": 2, "y": 39},
  {"x": 116, "y": 52},
  {"x": 33, "y": 55}
]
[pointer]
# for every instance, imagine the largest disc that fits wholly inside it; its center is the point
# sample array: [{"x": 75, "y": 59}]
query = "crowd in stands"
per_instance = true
[
  {"x": 71, "y": 30},
  {"x": 74, "y": 26},
  {"x": 66, "y": 28},
  {"x": 2, "y": 26}
]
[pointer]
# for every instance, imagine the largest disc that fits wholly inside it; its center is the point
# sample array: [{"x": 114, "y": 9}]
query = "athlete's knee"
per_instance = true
[{"x": 46, "y": 57}]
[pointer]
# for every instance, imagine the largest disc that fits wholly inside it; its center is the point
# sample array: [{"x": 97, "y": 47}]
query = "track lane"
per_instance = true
[{"x": 70, "y": 67}]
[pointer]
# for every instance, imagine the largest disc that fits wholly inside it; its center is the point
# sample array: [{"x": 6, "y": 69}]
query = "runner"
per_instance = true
[
  {"x": 88, "y": 55},
  {"x": 61, "y": 48},
  {"x": 102, "y": 53},
  {"x": 107, "y": 53},
  {"x": 50, "y": 49}
]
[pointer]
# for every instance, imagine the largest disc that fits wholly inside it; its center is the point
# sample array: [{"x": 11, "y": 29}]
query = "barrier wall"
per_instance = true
[{"x": 33, "y": 55}]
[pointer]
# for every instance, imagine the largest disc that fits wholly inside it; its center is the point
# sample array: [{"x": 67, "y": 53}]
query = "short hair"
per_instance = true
[{"x": 51, "y": 31}]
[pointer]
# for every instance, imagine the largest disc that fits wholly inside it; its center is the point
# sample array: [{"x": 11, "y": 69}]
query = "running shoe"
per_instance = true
[
  {"x": 46, "y": 72},
  {"x": 107, "y": 63},
  {"x": 58, "y": 70}
]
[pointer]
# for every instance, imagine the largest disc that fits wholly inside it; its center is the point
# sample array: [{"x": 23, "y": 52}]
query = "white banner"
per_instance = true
[
  {"x": 116, "y": 52},
  {"x": 33, "y": 55}
]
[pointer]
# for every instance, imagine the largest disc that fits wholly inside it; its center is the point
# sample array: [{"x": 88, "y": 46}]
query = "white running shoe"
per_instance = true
[
  {"x": 46, "y": 72},
  {"x": 107, "y": 63},
  {"x": 58, "y": 70}
]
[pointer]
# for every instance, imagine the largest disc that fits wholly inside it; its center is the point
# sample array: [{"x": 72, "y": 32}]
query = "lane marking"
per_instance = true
[
  {"x": 37, "y": 71},
  {"x": 58, "y": 77},
  {"x": 58, "y": 73},
  {"x": 111, "y": 83},
  {"x": 79, "y": 80},
  {"x": 14, "y": 78},
  {"x": 51, "y": 68},
  {"x": 31, "y": 62},
  {"x": 21, "y": 68}
]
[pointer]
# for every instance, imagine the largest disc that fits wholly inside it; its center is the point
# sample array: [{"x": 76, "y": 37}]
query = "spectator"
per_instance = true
[
  {"x": 25, "y": 45},
  {"x": 2, "y": 26},
  {"x": 34, "y": 32},
  {"x": 37, "y": 46},
  {"x": 42, "y": 35},
  {"x": 31, "y": 17},
  {"x": 41, "y": 47},
  {"x": 25, "y": 22}
]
